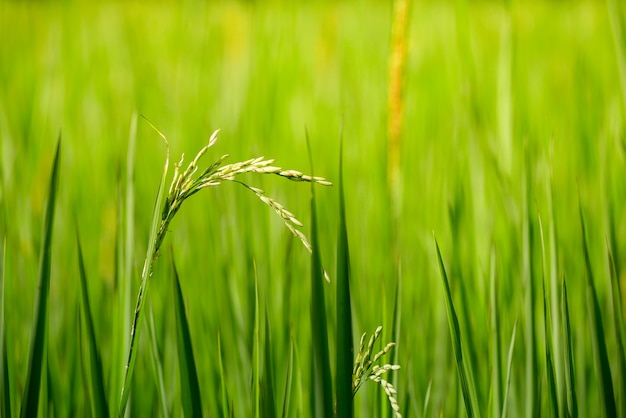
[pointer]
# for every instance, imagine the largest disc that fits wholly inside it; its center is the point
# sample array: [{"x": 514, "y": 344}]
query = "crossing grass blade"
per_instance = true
[
  {"x": 157, "y": 363},
  {"x": 225, "y": 406},
  {"x": 125, "y": 242},
  {"x": 568, "y": 355},
  {"x": 96, "y": 387},
  {"x": 547, "y": 320},
  {"x": 455, "y": 333},
  {"x": 190, "y": 388},
  {"x": 5, "y": 380},
  {"x": 38, "y": 345},
  {"x": 321, "y": 398},
  {"x": 509, "y": 364},
  {"x": 288, "y": 379},
  {"x": 495, "y": 341},
  {"x": 600, "y": 354},
  {"x": 267, "y": 388},
  {"x": 395, "y": 336},
  {"x": 344, "y": 340},
  {"x": 143, "y": 288},
  {"x": 619, "y": 332},
  {"x": 533, "y": 402},
  {"x": 256, "y": 342}
]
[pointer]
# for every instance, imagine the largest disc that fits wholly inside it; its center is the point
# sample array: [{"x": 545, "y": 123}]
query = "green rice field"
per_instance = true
[{"x": 477, "y": 155}]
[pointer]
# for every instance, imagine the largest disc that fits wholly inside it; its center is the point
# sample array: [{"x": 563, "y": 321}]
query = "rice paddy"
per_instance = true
[{"x": 451, "y": 242}]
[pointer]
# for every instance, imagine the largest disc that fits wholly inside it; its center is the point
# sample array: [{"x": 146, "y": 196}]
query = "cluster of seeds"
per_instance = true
[
  {"x": 365, "y": 368},
  {"x": 184, "y": 185}
]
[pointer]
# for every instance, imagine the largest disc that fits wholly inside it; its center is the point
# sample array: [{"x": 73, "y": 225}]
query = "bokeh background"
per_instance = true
[{"x": 498, "y": 98}]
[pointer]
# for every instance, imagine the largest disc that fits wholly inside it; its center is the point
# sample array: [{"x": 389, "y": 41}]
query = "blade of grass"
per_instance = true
[
  {"x": 427, "y": 398},
  {"x": 96, "y": 383},
  {"x": 618, "y": 319},
  {"x": 395, "y": 336},
  {"x": 256, "y": 362},
  {"x": 322, "y": 398},
  {"x": 455, "y": 334},
  {"x": 288, "y": 379},
  {"x": 30, "y": 397},
  {"x": 157, "y": 363},
  {"x": 344, "y": 340},
  {"x": 126, "y": 242},
  {"x": 509, "y": 364},
  {"x": 5, "y": 381},
  {"x": 557, "y": 348},
  {"x": 495, "y": 340},
  {"x": 267, "y": 387},
  {"x": 225, "y": 407},
  {"x": 143, "y": 287},
  {"x": 533, "y": 402},
  {"x": 570, "y": 379},
  {"x": 190, "y": 388},
  {"x": 552, "y": 389},
  {"x": 601, "y": 357}
]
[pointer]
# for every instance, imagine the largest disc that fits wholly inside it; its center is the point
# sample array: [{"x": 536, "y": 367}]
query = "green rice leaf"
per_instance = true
[
  {"x": 552, "y": 389},
  {"x": 618, "y": 320},
  {"x": 96, "y": 383},
  {"x": 321, "y": 397},
  {"x": 157, "y": 363},
  {"x": 143, "y": 287},
  {"x": 455, "y": 334},
  {"x": 570, "y": 379},
  {"x": 38, "y": 341},
  {"x": 509, "y": 364},
  {"x": 256, "y": 361},
  {"x": 288, "y": 378},
  {"x": 190, "y": 388},
  {"x": 495, "y": 340},
  {"x": 344, "y": 339},
  {"x": 533, "y": 402},
  {"x": 600, "y": 354},
  {"x": 125, "y": 242},
  {"x": 267, "y": 387},
  {"x": 225, "y": 406},
  {"x": 5, "y": 381}
]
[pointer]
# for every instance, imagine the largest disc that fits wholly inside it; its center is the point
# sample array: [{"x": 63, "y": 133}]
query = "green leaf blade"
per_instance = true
[
  {"x": 344, "y": 339},
  {"x": 97, "y": 388},
  {"x": 190, "y": 386},
  {"x": 38, "y": 343},
  {"x": 601, "y": 357}
]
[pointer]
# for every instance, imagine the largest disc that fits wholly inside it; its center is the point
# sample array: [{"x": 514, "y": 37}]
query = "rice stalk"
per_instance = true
[
  {"x": 366, "y": 368},
  {"x": 618, "y": 320},
  {"x": 286, "y": 408},
  {"x": 156, "y": 362},
  {"x": 495, "y": 340},
  {"x": 225, "y": 402},
  {"x": 190, "y": 388},
  {"x": 38, "y": 341},
  {"x": 547, "y": 320},
  {"x": 395, "y": 103},
  {"x": 256, "y": 352},
  {"x": 344, "y": 342},
  {"x": 509, "y": 369},
  {"x": 568, "y": 355},
  {"x": 96, "y": 386},
  {"x": 533, "y": 403},
  {"x": 471, "y": 407},
  {"x": 5, "y": 380},
  {"x": 321, "y": 398},
  {"x": 267, "y": 388},
  {"x": 167, "y": 204},
  {"x": 600, "y": 354}
]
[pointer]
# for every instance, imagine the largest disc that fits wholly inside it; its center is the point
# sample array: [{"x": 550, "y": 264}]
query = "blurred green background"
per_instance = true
[{"x": 495, "y": 93}]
